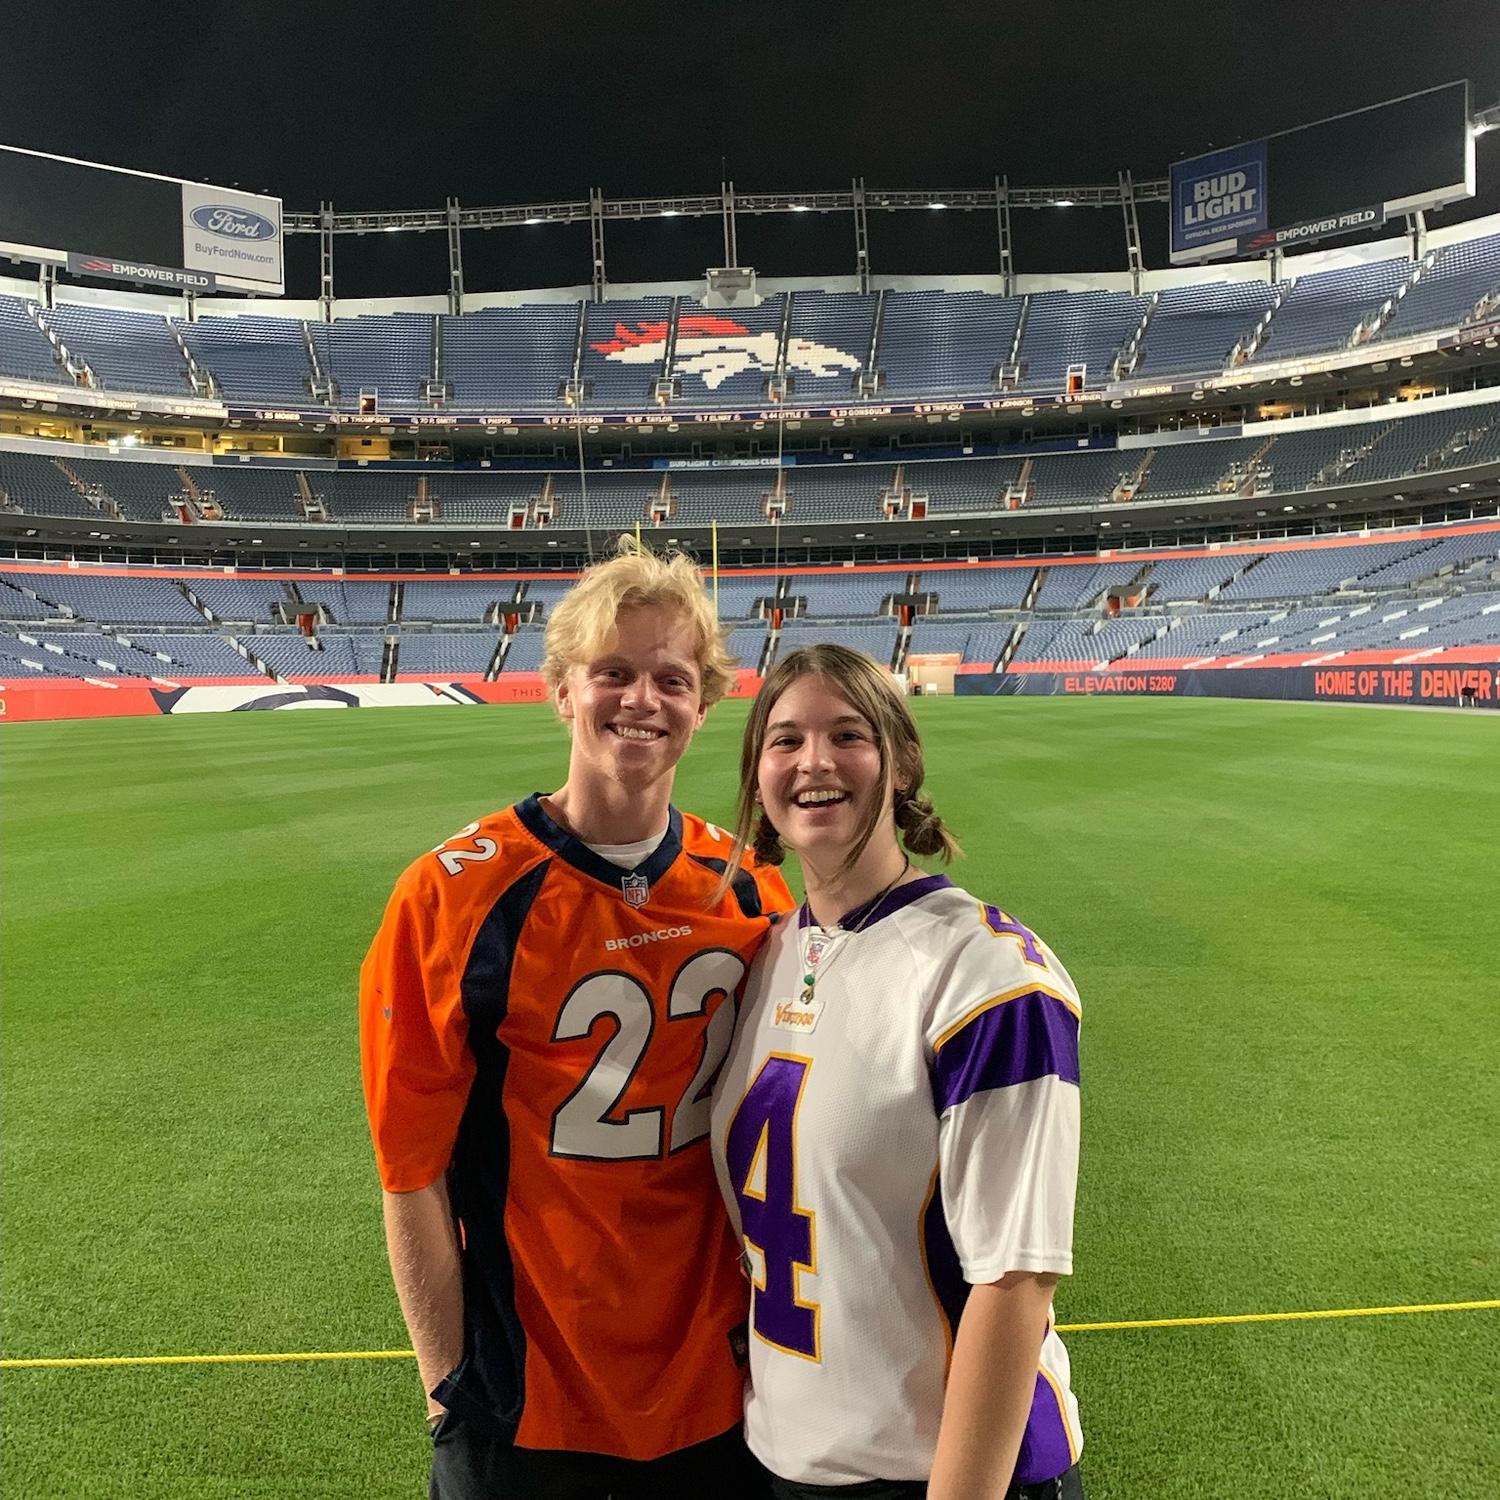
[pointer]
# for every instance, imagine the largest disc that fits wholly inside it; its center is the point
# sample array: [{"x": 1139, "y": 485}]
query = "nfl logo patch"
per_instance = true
[{"x": 636, "y": 889}]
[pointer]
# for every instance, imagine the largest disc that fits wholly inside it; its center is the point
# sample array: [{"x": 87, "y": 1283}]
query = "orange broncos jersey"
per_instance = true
[{"x": 545, "y": 1027}]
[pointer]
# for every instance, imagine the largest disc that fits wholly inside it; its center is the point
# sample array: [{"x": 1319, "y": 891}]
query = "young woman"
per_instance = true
[{"x": 895, "y": 1129}]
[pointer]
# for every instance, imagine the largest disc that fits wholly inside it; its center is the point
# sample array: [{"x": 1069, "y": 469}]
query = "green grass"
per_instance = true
[{"x": 1282, "y": 919}]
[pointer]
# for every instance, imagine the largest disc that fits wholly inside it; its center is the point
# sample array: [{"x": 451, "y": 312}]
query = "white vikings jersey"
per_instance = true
[{"x": 909, "y": 1131}]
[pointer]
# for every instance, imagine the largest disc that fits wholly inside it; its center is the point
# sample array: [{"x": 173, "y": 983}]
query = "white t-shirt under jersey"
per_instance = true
[{"x": 912, "y": 1131}]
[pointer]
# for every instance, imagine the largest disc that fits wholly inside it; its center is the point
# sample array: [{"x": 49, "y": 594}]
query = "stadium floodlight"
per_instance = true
[
  {"x": 799, "y": 208},
  {"x": 937, "y": 205},
  {"x": 1062, "y": 203},
  {"x": 533, "y": 220},
  {"x": 668, "y": 213}
]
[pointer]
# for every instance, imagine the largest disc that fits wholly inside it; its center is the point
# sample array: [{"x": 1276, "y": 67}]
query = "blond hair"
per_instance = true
[
  {"x": 636, "y": 578},
  {"x": 874, "y": 694}
]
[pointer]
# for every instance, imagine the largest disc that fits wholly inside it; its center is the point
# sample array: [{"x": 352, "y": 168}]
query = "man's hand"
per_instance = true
[{"x": 423, "y": 1247}]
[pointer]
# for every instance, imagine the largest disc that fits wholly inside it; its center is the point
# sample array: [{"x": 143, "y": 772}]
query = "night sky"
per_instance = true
[{"x": 384, "y": 105}]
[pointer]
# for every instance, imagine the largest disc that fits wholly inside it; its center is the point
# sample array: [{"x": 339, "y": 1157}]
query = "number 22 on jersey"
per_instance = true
[
  {"x": 761, "y": 1156},
  {"x": 584, "y": 1126}
]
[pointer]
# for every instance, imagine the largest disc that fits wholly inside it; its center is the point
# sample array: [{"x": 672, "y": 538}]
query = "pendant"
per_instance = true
[{"x": 799, "y": 1016}]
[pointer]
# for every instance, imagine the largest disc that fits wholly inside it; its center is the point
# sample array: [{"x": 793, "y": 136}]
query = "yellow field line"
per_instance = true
[
  {"x": 202, "y": 1359},
  {"x": 350, "y": 1354},
  {"x": 1277, "y": 1317}
]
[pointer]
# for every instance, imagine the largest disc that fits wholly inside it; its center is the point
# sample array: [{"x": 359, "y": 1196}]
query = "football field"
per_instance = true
[{"x": 1284, "y": 921}]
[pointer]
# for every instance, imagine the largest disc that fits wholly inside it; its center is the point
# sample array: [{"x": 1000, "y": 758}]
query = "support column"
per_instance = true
[
  {"x": 1002, "y": 216},
  {"x": 731, "y": 237},
  {"x": 455, "y": 261},
  {"x": 861, "y": 236},
  {"x": 325, "y": 261},
  {"x": 46, "y": 284},
  {"x": 1416, "y": 226},
  {"x": 1132, "y": 232},
  {"x": 596, "y": 237}
]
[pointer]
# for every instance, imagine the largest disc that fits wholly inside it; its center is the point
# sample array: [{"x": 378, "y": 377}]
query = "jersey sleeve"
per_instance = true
[
  {"x": 1003, "y": 1034},
  {"x": 413, "y": 1037}
]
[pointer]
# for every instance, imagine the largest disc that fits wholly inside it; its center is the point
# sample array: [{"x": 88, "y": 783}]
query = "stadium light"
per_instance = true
[
  {"x": 937, "y": 205},
  {"x": 669, "y": 213},
  {"x": 1062, "y": 203},
  {"x": 799, "y": 208},
  {"x": 533, "y": 221}
]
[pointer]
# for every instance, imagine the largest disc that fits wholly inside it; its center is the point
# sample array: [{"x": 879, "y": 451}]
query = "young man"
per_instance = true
[{"x": 543, "y": 1013}]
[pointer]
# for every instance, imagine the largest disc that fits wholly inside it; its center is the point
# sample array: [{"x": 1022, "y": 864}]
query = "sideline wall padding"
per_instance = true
[
  {"x": 24, "y": 701},
  {"x": 1437, "y": 686}
]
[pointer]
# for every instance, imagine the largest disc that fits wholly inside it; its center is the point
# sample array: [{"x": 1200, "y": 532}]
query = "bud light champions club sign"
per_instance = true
[{"x": 1217, "y": 200}]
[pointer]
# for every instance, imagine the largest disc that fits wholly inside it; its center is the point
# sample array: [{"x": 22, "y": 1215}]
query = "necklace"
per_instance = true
[{"x": 817, "y": 946}]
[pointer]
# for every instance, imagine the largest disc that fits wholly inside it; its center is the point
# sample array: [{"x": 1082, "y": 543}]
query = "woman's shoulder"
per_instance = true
[{"x": 977, "y": 952}]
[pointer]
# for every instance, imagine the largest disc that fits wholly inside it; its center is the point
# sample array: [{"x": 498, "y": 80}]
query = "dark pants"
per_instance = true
[
  {"x": 468, "y": 1464},
  {"x": 1067, "y": 1486}
]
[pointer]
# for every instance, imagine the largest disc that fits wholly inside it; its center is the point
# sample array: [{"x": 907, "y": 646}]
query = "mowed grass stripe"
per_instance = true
[
  {"x": 1280, "y": 919},
  {"x": 300, "y": 1356}
]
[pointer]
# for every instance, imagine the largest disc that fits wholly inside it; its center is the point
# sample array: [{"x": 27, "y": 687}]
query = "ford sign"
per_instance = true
[{"x": 233, "y": 223}]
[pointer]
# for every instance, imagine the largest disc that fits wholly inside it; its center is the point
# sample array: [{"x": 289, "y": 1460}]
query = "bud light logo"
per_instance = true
[
  {"x": 715, "y": 349},
  {"x": 1218, "y": 197},
  {"x": 233, "y": 223}
]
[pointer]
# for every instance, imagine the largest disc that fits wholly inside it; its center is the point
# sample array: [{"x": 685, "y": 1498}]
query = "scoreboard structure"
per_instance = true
[
  {"x": 138, "y": 227},
  {"x": 1337, "y": 176}
]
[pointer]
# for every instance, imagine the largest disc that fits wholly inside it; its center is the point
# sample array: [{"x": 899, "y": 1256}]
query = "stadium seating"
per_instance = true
[
  {"x": 1191, "y": 579},
  {"x": 1416, "y": 594},
  {"x": 1379, "y": 449},
  {"x": 244, "y": 492},
  {"x": 625, "y": 345},
  {"x": 725, "y": 358},
  {"x": 828, "y": 343},
  {"x": 1322, "y": 311},
  {"x": 525, "y": 654},
  {"x": 110, "y": 597},
  {"x": 505, "y": 358},
  {"x": 24, "y": 349},
  {"x": 1449, "y": 290},
  {"x": 390, "y": 354},
  {"x": 462, "y": 652},
  {"x": 945, "y": 343},
  {"x": 942, "y": 344},
  {"x": 41, "y": 486},
  {"x": 1195, "y": 328},
  {"x": 127, "y": 351},
  {"x": 456, "y": 601},
  {"x": 961, "y": 590},
  {"x": 260, "y": 360},
  {"x": 1065, "y": 330},
  {"x": 1075, "y": 586}
]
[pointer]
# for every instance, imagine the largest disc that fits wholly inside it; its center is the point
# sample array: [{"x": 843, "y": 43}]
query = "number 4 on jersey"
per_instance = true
[
  {"x": 1002, "y": 924},
  {"x": 761, "y": 1154}
]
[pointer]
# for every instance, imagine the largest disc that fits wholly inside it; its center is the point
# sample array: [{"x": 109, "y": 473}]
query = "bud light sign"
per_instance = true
[{"x": 1217, "y": 200}]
